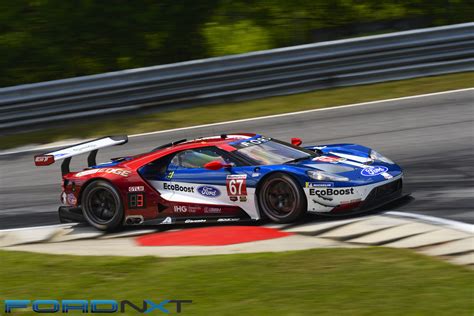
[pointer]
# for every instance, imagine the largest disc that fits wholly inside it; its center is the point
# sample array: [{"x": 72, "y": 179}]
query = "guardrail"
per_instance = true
[{"x": 370, "y": 59}]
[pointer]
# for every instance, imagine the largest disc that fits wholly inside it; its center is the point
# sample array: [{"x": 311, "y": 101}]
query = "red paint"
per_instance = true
[
  {"x": 211, "y": 236},
  {"x": 44, "y": 160}
]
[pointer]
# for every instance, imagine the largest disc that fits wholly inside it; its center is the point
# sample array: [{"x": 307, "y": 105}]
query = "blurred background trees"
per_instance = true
[{"x": 52, "y": 39}]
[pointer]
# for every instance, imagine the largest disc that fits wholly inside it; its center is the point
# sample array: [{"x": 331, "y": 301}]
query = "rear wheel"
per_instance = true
[
  {"x": 102, "y": 206},
  {"x": 281, "y": 199}
]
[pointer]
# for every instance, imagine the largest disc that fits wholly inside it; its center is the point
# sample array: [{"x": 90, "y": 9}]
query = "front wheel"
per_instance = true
[
  {"x": 102, "y": 206},
  {"x": 281, "y": 198}
]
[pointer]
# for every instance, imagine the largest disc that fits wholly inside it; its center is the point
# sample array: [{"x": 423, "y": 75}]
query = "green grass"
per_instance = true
[
  {"x": 365, "y": 281},
  {"x": 239, "y": 110}
]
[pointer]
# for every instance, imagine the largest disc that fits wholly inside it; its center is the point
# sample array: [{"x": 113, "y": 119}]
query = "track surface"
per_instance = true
[{"x": 431, "y": 137}]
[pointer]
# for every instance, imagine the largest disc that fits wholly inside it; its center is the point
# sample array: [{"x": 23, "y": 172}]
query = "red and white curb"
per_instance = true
[{"x": 449, "y": 240}]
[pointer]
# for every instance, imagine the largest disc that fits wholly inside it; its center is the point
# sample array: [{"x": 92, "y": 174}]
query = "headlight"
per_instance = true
[
  {"x": 325, "y": 176},
  {"x": 375, "y": 156}
]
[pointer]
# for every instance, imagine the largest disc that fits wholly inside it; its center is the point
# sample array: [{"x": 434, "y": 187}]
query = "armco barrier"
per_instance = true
[{"x": 371, "y": 59}]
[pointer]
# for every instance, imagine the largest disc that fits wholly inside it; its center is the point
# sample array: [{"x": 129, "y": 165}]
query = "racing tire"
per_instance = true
[
  {"x": 281, "y": 199},
  {"x": 102, "y": 206}
]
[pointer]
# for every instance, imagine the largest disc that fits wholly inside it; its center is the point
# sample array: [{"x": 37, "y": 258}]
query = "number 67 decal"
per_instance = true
[{"x": 236, "y": 184}]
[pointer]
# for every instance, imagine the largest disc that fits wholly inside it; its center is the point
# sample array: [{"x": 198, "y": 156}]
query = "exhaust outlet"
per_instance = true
[{"x": 134, "y": 220}]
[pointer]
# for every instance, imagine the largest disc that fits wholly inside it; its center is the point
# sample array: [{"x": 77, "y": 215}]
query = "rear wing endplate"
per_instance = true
[{"x": 91, "y": 147}]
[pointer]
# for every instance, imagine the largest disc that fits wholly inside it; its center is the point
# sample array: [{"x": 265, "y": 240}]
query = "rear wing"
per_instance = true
[{"x": 91, "y": 147}]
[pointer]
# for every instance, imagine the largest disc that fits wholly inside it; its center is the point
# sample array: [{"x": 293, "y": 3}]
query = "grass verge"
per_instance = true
[
  {"x": 365, "y": 281},
  {"x": 239, "y": 110}
]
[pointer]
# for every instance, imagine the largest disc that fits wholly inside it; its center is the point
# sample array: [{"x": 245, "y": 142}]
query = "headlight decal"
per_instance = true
[{"x": 325, "y": 176}]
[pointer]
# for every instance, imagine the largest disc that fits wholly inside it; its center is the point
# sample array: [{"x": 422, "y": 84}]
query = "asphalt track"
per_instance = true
[{"x": 431, "y": 137}]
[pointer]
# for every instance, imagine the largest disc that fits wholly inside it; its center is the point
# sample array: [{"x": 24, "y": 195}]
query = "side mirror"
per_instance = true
[
  {"x": 216, "y": 165},
  {"x": 296, "y": 141}
]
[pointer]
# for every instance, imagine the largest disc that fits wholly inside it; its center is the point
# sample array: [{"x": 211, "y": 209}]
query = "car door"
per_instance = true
[{"x": 192, "y": 182}]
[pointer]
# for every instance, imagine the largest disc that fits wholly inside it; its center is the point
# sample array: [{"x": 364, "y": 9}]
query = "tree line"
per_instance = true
[{"x": 52, "y": 39}]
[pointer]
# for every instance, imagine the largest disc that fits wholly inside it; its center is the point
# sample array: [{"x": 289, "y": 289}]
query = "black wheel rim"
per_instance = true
[
  {"x": 101, "y": 205},
  {"x": 279, "y": 198}
]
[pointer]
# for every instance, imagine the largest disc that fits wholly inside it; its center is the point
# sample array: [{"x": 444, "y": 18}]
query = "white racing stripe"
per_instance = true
[
  {"x": 351, "y": 157},
  {"x": 47, "y": 147}
]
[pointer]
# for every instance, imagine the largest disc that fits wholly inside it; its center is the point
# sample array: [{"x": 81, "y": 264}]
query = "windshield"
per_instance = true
[{"x": 267, "y": 151}]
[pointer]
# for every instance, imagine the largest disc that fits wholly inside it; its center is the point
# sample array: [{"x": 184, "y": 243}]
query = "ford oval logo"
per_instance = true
[
  {"x": 373, "y": 171},
  {"x": 209, "y": 191}
]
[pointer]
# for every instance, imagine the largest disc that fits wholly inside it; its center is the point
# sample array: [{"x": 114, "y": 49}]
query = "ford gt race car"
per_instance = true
[{"x": 223, "y": 178}]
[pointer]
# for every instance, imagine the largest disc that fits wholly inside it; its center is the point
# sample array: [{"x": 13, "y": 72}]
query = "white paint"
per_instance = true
[
  {"x": 84, "y": 148},
  {"x": 317, "y": 204},
  {"x": 436, "y": 220},
  {"x": 49, "y": 146},
  {"x": 351, "y": 157}
]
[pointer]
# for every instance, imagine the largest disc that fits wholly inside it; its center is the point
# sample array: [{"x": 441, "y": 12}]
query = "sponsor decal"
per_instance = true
[
  {"x": 117, "y": 171},
  {"x": 242, "y": 198},
  {"x": 228, "y": 219},
  {"x": 177, "y": 187},
  {"x": 233, "y": 198},
  {"x": 255, "y": 174},
  {"x": 386, "y": 175},
  {"x": 193, "y": 209},
  {"x": 373, "y": 171},
  {"x": 81, "y": 148},
  {"x": 138, "y": 188},
  {"x": 318, "y": 184},
  {"x": 209, "y": 191},
  {"x": 209, "y": 209},
  {"x": 44, "y": 160},
  {"x": 136, "y": 200},
  {"x": 71, "y": 199},
  {"x": 120, "y": 172},
  {"x": 180, "y": 208},
  {"x": 251, "y": 142},
  {"x": 170, "y": 175},
  {"x": 350, "y": 202},
  {"x": 330, "y": 159},
  {"x": 236, "y": 185},
  {"x": 167, "y": 220},
  {"x": 190, "y": 221},
  {"x": 326, "y": 194}
]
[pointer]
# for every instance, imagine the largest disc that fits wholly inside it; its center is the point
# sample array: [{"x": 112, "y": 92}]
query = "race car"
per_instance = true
[{"x": 225, "y": 178}]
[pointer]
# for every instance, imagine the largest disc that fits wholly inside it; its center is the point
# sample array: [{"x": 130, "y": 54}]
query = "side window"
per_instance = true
[
  {"x": 156, "y": 169},
  {"x": 197, "y": 158}
]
